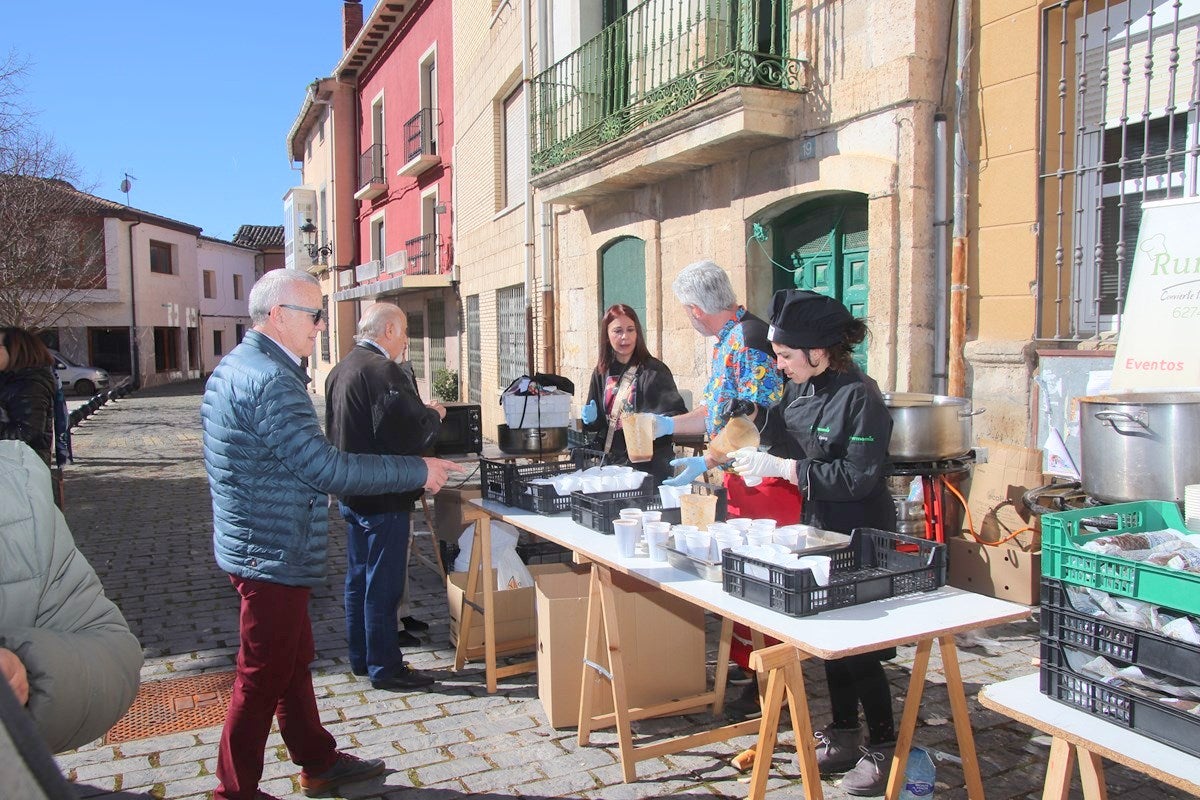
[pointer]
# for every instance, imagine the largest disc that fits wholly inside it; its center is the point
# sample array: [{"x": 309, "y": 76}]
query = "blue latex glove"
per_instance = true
[
  {"x": 693, "y": 468},
  {"x": 663, "y": 426},
  {"x": 588, "y": 414}
]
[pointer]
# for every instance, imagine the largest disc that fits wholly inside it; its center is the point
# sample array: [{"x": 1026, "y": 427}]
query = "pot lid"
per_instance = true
[{"x": 917, "y": 400}]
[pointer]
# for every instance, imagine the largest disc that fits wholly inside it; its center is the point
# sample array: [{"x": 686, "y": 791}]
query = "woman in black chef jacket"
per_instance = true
[
  {"x": 829, "y": 434},
  {"x": 628, "y": 379}
]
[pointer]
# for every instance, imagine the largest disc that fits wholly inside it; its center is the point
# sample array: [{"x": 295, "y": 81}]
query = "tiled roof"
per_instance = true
[
  {"x": 77, "y": 202},
  {"x": 259, "y": 236}
]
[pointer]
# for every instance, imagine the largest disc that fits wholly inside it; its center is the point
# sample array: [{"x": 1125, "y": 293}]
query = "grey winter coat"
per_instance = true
[
  {"x": 82, "y": 661},
  {"x": 270, "y": 468}
]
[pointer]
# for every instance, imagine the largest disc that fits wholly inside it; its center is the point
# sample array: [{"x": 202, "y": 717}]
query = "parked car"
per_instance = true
[{"x": 81, "y": 379}]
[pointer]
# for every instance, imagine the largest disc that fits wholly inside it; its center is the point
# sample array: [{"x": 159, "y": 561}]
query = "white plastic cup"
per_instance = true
[
  {"x": 627, "y": 532},
  {"x": 759, "y": 538},
  {"x": 698, "y": 544},
  {"x": 651, "y": 516},
  {"x": 631, "y": 513},
  {"x": 764, "y": 524},
  {"x": 656, "y": 540},
  {"x": 820, "y": 566},
  {"x": 789, "y": 537},
  {"x": 741, "y": 523},
  {"x": 680, "y": 532}
]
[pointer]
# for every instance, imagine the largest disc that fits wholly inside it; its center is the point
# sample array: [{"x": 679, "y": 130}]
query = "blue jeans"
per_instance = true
[{"x": 376, "y": 565}]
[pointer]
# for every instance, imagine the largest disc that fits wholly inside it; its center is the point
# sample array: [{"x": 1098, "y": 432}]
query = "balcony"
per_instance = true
[
  {"x": 372, "y": 180},
  {"x": 426, "y": 262},
  {"x": 671, "y": 86},
  {"x": 420, "y": 143}
]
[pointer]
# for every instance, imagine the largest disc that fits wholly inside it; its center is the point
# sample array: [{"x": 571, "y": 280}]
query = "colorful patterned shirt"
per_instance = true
[{"x": 740, "y": 370}]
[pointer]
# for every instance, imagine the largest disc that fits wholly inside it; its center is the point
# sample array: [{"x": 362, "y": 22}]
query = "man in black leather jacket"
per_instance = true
[{"x": 371, "y": 406}]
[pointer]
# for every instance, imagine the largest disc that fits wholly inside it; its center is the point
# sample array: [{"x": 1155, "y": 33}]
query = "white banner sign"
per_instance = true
[{"x": 1159, "y": 343}]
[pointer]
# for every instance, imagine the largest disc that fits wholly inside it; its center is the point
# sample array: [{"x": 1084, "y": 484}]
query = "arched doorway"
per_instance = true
[
  {"x": 822, "y": 246},
  {"x": 623, "y": 275}
]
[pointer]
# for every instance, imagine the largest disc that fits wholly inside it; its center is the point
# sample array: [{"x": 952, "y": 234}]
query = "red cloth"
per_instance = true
[
  {"x": 774, "y": 498},
  {"x": 272, "y": 680}
]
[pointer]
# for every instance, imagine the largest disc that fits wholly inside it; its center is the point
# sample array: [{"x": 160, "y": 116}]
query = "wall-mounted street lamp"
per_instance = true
[{"x": 316, "y": 253}]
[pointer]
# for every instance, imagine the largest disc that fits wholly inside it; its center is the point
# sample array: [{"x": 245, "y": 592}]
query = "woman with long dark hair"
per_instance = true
[
  {"x": 26, "y": 391},
  {"x": 627, "y": 379},
  {"x": 829, "y": 435}
]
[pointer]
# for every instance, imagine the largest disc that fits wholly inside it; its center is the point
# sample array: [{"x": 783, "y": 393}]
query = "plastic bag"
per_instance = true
[{"x": 511, "y": 573}]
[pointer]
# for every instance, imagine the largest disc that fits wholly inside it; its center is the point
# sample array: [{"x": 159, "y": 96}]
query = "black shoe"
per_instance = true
[
  {"x": 407, "y": 639},
  {"x": 358, "y": 672},
  {"x": 406, "y": 680},
  {"x": 414, "y": 625}
]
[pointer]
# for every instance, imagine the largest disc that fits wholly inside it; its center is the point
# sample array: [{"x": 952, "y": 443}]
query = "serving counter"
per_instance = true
[{"x": 919, "y": 619}]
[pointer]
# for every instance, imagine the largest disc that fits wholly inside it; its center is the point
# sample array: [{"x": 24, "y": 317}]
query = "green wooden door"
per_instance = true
[
  {"x": 823, "y": 244},
  {"x": 623, "y": 275}
]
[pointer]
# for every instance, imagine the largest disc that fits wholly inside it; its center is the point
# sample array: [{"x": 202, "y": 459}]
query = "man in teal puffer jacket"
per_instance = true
[{"x": 270, "y": 469}]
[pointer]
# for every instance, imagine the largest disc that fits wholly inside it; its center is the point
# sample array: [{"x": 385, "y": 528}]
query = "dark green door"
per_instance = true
[
  {"x": 823, "y": 244},
  {"x": 623, "y": 275}
]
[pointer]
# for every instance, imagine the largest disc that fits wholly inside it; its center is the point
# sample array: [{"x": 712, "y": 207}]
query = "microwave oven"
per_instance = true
[{"x": 461, "y": 431}]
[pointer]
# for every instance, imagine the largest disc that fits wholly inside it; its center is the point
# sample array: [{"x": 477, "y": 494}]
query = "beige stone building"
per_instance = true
[
  {"x": 502, "y": 273},
  {"x": 321, "y": 215},
  {"x": 793, "y": 143},
  {"x": 1081, "y": 112}
]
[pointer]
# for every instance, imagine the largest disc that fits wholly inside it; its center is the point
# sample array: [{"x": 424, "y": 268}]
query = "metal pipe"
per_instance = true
[
  {"x": 134, "y": 351},
  {"x": 526, "y": 55},
  {"x": 957, "y": 368},
  {"x": 941, "y": 269},
  {"x": 549, "y": 333}
]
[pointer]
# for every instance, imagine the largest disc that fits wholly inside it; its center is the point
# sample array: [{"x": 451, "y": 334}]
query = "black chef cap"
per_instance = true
[{"x": 802, "y": 320}]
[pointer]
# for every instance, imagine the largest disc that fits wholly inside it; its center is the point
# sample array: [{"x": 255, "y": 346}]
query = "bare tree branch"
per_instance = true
[{"x": 51, "y": 234}]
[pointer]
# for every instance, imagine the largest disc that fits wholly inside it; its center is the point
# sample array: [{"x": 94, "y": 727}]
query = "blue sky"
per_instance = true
[{"x": 194, "y": 100}]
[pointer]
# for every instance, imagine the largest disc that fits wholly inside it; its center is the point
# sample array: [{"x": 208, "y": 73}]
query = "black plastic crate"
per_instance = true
[
  {"x": 599, "y": 509},
  {"x": 1171, "y": 726},
  {"x": 545, "y": 499},
  {"x": 875, "y": 565},
  {"x": 1062, "y": 623},
  {"x": 530, "y": 549},
  {"x": 506, "y": 480}
]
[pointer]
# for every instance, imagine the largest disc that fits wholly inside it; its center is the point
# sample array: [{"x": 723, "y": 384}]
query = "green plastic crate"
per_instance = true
[{"x": 1062, "y": 558}]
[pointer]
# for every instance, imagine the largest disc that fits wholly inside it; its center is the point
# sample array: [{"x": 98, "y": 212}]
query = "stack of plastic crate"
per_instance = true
[{"x": 1066, "y": 628}]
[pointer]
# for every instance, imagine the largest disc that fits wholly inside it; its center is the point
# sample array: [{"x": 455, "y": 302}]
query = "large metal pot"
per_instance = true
[
  {"x": 929, "y": 427},
  {"x": 531, "y": 441},
  {"x": 1139, "y": 446}
]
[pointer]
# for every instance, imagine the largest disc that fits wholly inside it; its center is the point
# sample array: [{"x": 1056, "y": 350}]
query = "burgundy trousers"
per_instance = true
[{"x": 272, "y": 680}]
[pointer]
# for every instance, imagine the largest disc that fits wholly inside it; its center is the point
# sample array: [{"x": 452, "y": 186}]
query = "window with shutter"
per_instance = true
[
  {"x": 516, "y": 149},
  {"x": 510, "y": 331},
  {"x": 474, "y": 351}
]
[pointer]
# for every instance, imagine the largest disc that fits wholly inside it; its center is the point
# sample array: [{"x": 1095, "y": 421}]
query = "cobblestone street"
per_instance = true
[{"x": 138, "y": 504}]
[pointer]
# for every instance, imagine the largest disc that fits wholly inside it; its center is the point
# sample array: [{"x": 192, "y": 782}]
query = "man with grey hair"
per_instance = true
[
  {"x": 372, "y": 406},
  {"x": 270, "y": 469},
  {"x": 744, "y": 379}
]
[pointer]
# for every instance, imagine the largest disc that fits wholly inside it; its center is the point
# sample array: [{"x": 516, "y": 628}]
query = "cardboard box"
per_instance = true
[
  {"x": 1002, "y": 571},
  {"x": 448, "y": 523},
  {"x": 662, "y": 638},
  {"x": 514, "y": 608},
  {"x": 996, "y": 491}
]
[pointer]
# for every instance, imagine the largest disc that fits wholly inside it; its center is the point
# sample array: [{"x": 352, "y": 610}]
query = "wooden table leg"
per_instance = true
[
  {"x": 784, "y": 675},
  {"x": 1059, "y": 770},
  {"x": 908, "y": 721},
  {"x": 467, "y": 613},
  {"x": 592, "y": 645},
  {"x": 721, "y": 677},
  {"x": 616, "y": 667},
  {"x": 1091, "y": 774},
  {"x": 961, "y": 716}
]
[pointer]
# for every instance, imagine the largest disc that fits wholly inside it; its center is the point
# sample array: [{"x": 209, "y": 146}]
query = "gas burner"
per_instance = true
[
  {"x": 947, "y": 466},
  {"x": 1055, "y": 497}
]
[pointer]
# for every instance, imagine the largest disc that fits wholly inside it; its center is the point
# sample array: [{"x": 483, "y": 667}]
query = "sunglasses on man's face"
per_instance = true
[{"x": 318, "y": 314}]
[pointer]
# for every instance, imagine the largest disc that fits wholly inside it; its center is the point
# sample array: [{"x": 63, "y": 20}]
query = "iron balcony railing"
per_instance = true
[
  {"x": 426, "y": 255},
  {"x": 660, "y": 58},
  {"x": 370, "y": 166},
  {"x": 418, "y": 135}
]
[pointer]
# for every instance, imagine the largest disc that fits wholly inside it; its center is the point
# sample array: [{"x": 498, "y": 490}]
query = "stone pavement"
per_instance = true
[{"x": 138, "y": 504}]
